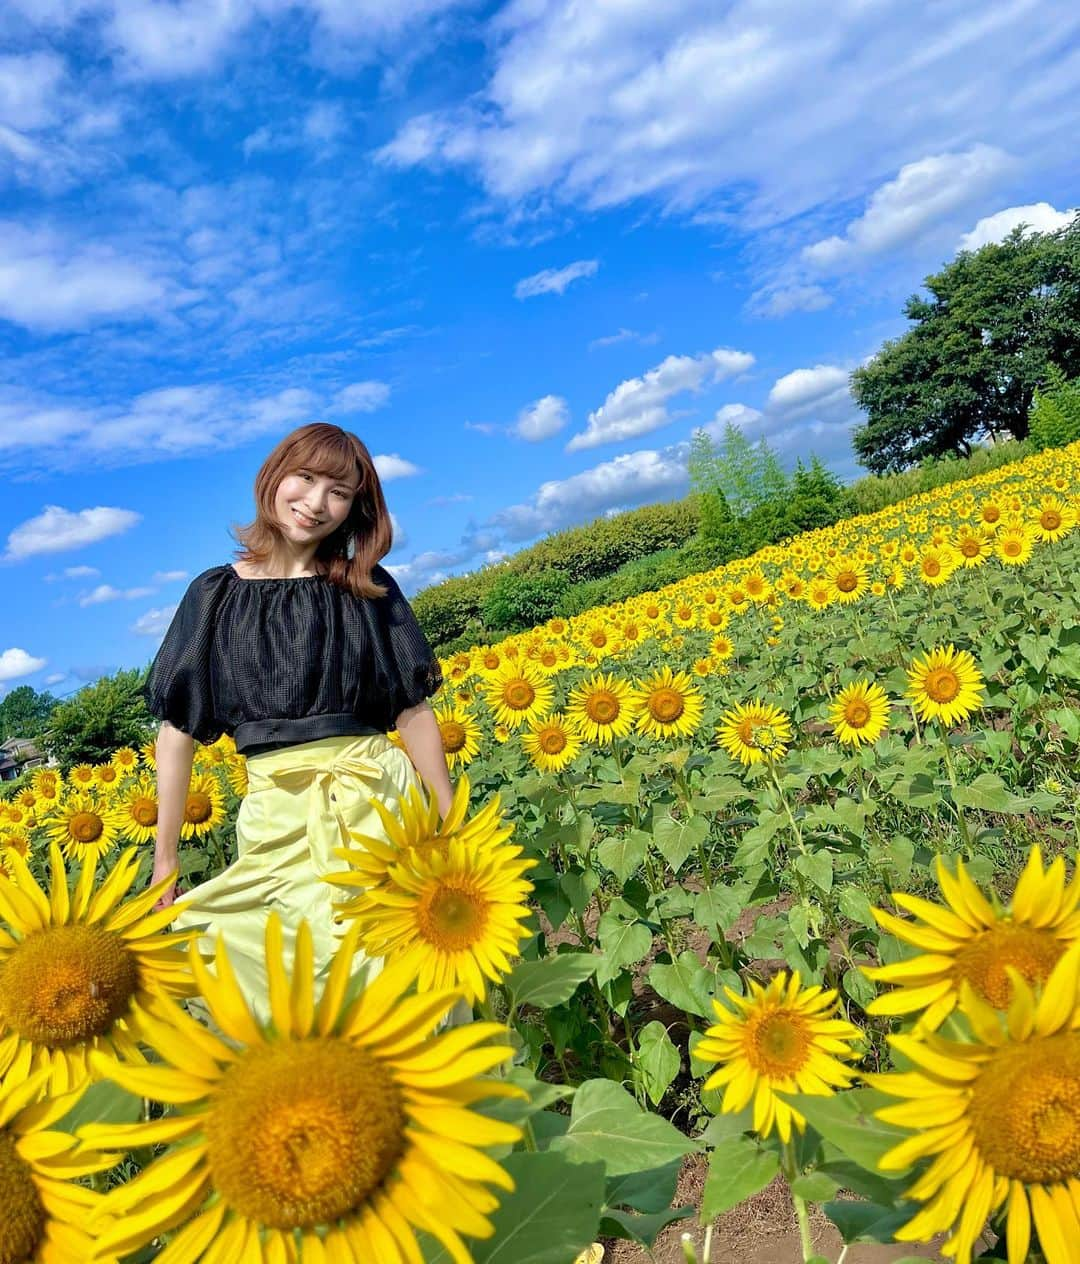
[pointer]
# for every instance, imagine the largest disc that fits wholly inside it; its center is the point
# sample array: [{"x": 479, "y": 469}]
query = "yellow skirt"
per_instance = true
[{"x": 302, "y": 802}]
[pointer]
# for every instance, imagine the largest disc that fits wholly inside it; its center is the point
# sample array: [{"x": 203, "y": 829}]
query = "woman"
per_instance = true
[{"x": 306, "y": 652}]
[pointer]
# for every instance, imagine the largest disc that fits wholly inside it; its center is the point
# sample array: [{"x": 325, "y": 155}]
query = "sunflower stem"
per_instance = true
[
  {"x": 790, "y": 1167},
  {"x": 957, "y": 807}
]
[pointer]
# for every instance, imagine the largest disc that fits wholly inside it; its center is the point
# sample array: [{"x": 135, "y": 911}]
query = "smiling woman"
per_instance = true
[{"x": 307, "y": 653}]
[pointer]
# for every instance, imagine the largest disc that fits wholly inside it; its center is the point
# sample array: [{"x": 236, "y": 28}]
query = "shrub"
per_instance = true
[{"x": 516, "y": 602}]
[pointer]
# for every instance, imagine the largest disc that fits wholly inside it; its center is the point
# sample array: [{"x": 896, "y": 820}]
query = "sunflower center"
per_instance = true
[
  {"x": 1011, "y": 546},
  {"x": 144, "y": 811},
  {"x": 942, "y": 684},
  {"x": 847, "y": 581},
  {"x": 491, "y": 661},
  {"x": 983, "y": 962},
  {"x": 970, "y": 547},
  {"x": 599, "y": 638},
  {"x": 519, "y": 695},
  {"x": 931, "y": 566},
  {"x": 86, "y": 827},
  {"x": 549, "y": 658},
  {"x": 199, "y": 808},
  {"x": 552, "y": 741},
  {"x": 666, "y": 705},
  {"x": 107, "y": 773},
  {"x": 602, "y": 706},
  {"x": 64, "y": 985},
  {"x": 1050, "y": 519},
  {"x": 23, "y": 1223},
  {"x": 777, "y": 1043},
  {"x": 453, "y": 736},
  {"x": 1025, "y": 1110},
  {"x": 452, "y": 917},
  {"x": 303, "y": 1132},
  {"x": 991, "y": 513},
  {"x": 856, "y": 713}
]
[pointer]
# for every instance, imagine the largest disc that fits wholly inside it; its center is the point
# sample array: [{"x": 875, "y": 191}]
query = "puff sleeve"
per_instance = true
[
  {"x": 179, "y": 686},
  {"x": 407, "y": 669}
]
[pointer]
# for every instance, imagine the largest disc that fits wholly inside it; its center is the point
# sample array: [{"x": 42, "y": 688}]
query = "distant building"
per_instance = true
[{"x": 16, "y": 755}]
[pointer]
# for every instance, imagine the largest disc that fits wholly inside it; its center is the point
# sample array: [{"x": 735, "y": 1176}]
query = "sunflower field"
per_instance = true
[{"x": 774, "y": 868}]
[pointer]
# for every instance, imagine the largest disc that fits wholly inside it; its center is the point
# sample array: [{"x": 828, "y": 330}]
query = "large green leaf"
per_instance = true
[
  {"x": 675, "y": 840},
  {"x": 608, "y": 1126},
  {"x": 102, "y": 1103},
  {"x": 624, "y": 943},
  {"x": 738, "y": 1168},
  {"x": 847, "y": 1121},
  {"x": 640, "y": 1228},
  {"x": 686, "y": 983},
  {"x": 623, "y": 854},
  {"x": 657, "y": 1060},
  {"x": 644, "y": 1191},
  {"x": 552, "y": 980},
  {"x": 717, "y": 908},
  {"x": 552, "y": 1215}
]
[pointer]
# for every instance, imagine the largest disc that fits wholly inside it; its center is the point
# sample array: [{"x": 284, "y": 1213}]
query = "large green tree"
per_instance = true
[
  {"x": 23, "y": 712},
  {"x": 91, "y": 724},
  {"x": 979, "y": 346}
]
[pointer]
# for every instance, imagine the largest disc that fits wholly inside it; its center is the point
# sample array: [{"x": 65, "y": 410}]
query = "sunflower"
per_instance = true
[
  {"x": 78, "y": 968},
  {"x": 336, "y": 1130},
  {"x": 139, "y": 804},
  {"x": 977, "y": 942},
  {"x": 461, "y": 735},
  {"x": 859, "y": 713},
  {"x": 671, "y": 706},
  {"x": 758, "y": 588},
  {"x": 990, "y": 512},
  {"x": 603, "y": 707},
  {"x": 945, "y": 685},
  {"x": 85, "y": 827},
  {"x": 551, "y": 743},
  {"x": 46, "y": 781},
  {"x": 721, "y": 647},
  {"x": 1013, "y": 545},
  {"x": 237, "y": 775},
  {"x": 819, "y": 593},
  {"x": 517, "y": 693},
  {"x": 754, "y": 732},
  {"x": 999, "y": 1117},
  {"x": 148, "y": 754},
  {"x": 44, "y": 1208},
  {"x": 126, "y": 758},
  {"x": 82, "y": 776},
  {"x": 848, "y": 579},
  {"x": 1053, "y": 519},
  {"x": 780, "y": 1039},
  {"x": 204, "y": 807},
  {"x": 454, "y": 915},
  {"x": 107, "y": 776},
  {"x": 937, "y": 563},
  {"x": 703, "y": 667},
  {"x": 601, "y": 638},
  {"x": 973, "y": 545}
]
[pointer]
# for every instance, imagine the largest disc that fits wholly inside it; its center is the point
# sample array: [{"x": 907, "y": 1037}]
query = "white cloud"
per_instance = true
[
  {"x": 399, "y": 535},
  {"x": 741, "y": 415},
  {"x": 482, "y": 427},
  {"x": 547, "y": 416},
  {"x": 361, "y": 397},
  {"x": 80, "y": 572},
  {"x": 29, "y": 88},
  {"x": 782, "y": 300},
  {"x": 633, "y": 478},
  {"x": 57, "y": 529},
  {"x": 1040, "y": 217},
  {"x": 555, "y": 280},
  {"x": 721, "y": 107},
  {"x": 106, "y": 592},
  {"x": 390, "y": 466},
  {"x": 923, "y": 194},
  {"x": 15, "y": 663},
  {"x": 639, "y": 404},
  {"x": 169, "y": 577},
  {"x": 805, "y": 390},
  {"x": 154, "y": 622},
  {"x": 54, "y": 678}
]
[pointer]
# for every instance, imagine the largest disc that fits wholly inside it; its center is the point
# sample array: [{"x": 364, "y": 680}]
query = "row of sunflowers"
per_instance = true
[{"x": 717, "y": 882}]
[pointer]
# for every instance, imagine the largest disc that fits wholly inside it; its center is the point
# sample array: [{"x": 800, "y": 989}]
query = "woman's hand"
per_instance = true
[{"x": 164, "y": 868}]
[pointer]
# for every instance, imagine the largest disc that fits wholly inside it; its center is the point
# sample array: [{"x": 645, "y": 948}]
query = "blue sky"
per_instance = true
[{"x": 522, "y": 249}]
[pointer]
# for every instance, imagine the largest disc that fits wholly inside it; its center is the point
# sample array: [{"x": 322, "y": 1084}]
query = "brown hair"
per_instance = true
[{"x": 347, "y": 555}]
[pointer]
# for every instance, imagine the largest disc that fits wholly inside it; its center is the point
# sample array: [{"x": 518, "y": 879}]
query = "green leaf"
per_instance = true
[
  {"x": 814, "y": 1187},
  {"x": 552, "y": 980},
  {"x": 579, "y": 887},
  {"x": 608, "y": 1126},
  {"x": 552, "y": 1215},
  {"x": 644, "y": 1191},
  {"x": 856, "y": 907},
  {"x": 846, "y": 1120},
  {"x": 101, "y": 1103},
  {"x": 657, "y": 1060},
  {"x": 639, "y": 1228},
  {"x": 624, "y": 943},
  {"x": 738, "y": 1168},
  {"x": 867, "y": 1222},
  {"x": 623, "y": 854},
  {"x": 675, "y": 840},
  {"x": 858, "y": 986},
  {"x": 987, "y": 792},
  {"x": 686, "y": 983},
  {"x": 818, "y": 867},
  {"x": 718, "y": 908}
]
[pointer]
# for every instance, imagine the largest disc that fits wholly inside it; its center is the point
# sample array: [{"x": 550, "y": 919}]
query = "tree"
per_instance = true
[
  {"x": 88, "y": 727},
  {"x": 1055, "y": 412},
  {"x": 980, "y": 346},
  {"x": 23, "y": 712}
]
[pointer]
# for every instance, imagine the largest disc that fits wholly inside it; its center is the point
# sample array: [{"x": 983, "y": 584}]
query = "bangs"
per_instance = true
[{"x": 332, "y": 455}]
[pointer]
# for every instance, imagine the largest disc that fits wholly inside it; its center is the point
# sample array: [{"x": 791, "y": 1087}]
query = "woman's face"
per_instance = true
[{"x": 310, "y": 506}]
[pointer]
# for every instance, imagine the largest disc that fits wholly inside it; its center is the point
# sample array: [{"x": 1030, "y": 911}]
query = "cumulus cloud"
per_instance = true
[
  {"x": 361, "y": 397},
  {"x": 807, "y": 390},
  {"x": 639, "y": 404},
  {"x": 169, "y": 577},
  {"x": 17, "y": 662},
  {"x": 923, "y": 194},
  {"x": 106, "y": 592},
  {"x": 555, "y": 280},
  {"x": 154, "y": 622},
  {"x": 54, "y": 678},
  {"x": 390, "y": 466},
  {"x": 547, "y": 416},
  {"x": 1040, "y": 217},
  {"x": 55, "y": 530},
  {"x": 782, "y": 300}
]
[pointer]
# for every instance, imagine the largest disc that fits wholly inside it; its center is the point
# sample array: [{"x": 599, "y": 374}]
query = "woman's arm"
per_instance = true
[
  {"x": 175, "y": 753},
  {"x": 419, "y": 732}
]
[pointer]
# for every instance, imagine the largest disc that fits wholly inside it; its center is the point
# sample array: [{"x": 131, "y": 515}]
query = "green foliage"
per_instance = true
[
  {"x": 980, "y": 346},
  {"x": 24, "y": 712},
  {"x": 88, "y": 727},
  {"x": 1055, "y": 412},
  {"x": 516, "y": 602},
  {"x": 876, "y": 491}
]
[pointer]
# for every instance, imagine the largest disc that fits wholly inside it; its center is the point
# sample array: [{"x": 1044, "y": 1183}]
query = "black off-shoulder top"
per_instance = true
[{"x": 276, "y": 662}]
